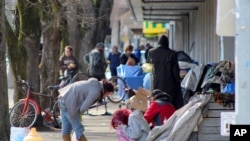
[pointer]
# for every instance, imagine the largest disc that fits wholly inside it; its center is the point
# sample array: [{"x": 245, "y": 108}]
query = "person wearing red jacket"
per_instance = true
[{"x": 160, "y": 108}]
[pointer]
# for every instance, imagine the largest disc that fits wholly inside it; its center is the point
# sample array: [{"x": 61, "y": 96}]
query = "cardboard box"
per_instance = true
[{"x": 140, "y": 99}]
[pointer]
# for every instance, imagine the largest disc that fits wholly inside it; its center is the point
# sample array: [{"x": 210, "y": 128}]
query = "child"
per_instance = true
[
  {"x": 137, "y": 127},
  {"x": 120, "y": 117}
]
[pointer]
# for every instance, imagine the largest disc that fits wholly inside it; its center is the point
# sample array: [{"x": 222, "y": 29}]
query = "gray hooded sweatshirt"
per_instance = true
[
  {"x": 79, "y": 96},
  {"x": 137, "y": 128}
]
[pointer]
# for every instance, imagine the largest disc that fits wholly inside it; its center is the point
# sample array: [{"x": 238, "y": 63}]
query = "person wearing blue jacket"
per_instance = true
[{"x": 114, "y": 60}]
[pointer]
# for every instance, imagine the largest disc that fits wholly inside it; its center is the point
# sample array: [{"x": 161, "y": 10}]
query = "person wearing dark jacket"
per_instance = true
[
  {"x": 96, "y": 62},
  {"x": 68, "y": 62},
  {"x": 148, "y": 47},
  {"x": 166, "y": 71},
  {"x": 114, "y": 60},
  {"x": 128, "y": 58},
  {"x": 160, "y": 108}
]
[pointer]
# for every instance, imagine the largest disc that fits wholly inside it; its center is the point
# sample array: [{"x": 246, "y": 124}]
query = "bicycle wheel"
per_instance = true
[
  {"x": 18, "y": 119},
  {"x": 119, "y": 93},
  {"x": 56, "y": 116},
  {"x": 80, "y": 76}
]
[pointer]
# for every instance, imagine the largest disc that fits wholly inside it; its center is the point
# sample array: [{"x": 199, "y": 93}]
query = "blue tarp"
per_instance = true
[
  {"x": 147, "y": 81},
  {"x": 229, "y": 88},
  {"x": 129, "y": 71},
  {"x": 133, "y": 76}
]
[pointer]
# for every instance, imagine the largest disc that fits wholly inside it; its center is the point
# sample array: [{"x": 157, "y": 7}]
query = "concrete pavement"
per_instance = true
[{"x": 97, "y": 126}]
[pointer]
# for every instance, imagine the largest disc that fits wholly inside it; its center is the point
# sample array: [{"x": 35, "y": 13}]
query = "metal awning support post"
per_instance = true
[{"x": 242, "y": 61}]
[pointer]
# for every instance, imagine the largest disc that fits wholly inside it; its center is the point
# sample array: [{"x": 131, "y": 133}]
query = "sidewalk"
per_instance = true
[{"x": 97, "y": 126}]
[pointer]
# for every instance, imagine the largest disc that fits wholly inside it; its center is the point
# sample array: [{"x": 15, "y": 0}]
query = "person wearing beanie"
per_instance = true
[
  {"x": 160, "y": 108},
  {"x": 166, "y": 71},
  {"x": 96, "y": 61}
]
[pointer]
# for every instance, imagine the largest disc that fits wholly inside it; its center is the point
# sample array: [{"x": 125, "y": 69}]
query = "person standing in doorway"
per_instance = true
[
  {"x": 166, "y": 71},
  {"x": 114, "y": 60}
]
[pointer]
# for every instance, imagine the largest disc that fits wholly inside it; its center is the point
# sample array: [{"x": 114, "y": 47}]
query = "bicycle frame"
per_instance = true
[
  {"x": 27, "y": 111},
  {"x": 68, "y": 79},
  {"x": 47, "y": 115},
  {"x": 27, "y": 100}
]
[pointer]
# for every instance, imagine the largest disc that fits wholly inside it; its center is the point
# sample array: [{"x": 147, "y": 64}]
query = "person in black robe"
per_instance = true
[{"x": 166, "y": 71}]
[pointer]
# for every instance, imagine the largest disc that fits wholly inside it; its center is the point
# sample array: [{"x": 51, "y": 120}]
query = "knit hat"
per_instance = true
[
  {"x": 100, "y": 44},
  {"x": 156, "y": 92}
]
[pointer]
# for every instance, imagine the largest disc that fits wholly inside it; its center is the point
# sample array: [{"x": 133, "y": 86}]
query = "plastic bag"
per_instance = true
[
  {"x": 18, "y": 133},
  {"x": 229, "y": 88},
  {"x": 147, "y": 67}
]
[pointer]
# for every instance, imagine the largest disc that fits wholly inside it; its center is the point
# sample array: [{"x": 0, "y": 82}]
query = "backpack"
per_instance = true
[{"x": 97, "y": 64}]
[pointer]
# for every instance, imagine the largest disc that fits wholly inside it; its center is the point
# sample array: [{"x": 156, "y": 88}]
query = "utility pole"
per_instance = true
[{"x": 242, "y": 61}]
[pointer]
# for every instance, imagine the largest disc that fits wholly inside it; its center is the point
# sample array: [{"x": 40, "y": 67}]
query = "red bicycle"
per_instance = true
[{"x": 27, "y": 111}]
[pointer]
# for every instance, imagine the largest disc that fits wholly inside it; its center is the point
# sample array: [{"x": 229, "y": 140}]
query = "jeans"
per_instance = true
[
  {"x": 113, "y": 71},
  {"x": 69, "y": 123}
]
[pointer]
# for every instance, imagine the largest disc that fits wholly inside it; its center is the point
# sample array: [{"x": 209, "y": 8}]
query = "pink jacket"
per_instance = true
[{"x": 122, "y": 136}]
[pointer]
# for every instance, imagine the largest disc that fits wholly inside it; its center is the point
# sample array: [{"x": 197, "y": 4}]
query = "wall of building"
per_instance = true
[
  {"x": 202, "y": 34},
  {"x": 118, "y": 10},
  {"x": 228, "y": 48},
  {"x": 195, "y": 33}
]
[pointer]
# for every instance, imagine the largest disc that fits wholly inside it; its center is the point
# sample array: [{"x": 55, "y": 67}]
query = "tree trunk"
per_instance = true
[
  {"x": 72, "y": 16},
  {"x": 94, "y": 26},
  {"x": 4, "y": 106},
  {"x": 103, "y": 20},
  {"x": 23, "y": 45},
  {"x": 49, "y": 66},
  {"x": 15, "y": 59},
  {"x": 87, "y": 26},
  {"x": 29, "y": 38}
]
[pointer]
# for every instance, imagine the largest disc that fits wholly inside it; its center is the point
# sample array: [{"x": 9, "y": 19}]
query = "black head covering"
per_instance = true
[
  {"x": 163, "y": 41},
  {"x": 156, "y": 92},
  {"x": 160, "y": 95}
]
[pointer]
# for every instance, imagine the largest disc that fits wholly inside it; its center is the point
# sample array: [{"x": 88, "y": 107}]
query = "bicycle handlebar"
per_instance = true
[{"x": 23, "y": 82}]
